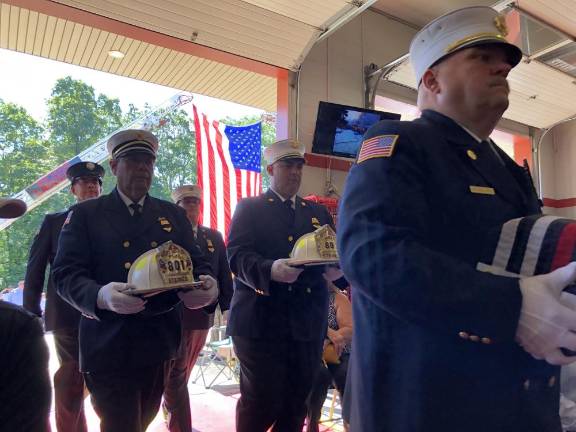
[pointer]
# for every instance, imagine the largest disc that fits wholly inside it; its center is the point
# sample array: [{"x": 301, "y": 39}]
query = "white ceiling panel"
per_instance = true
[
  {"x": 275, "y": 32},
  {"x": 314, "y": 13},
  {"x": 560, "y": 14},
  {"x": 420, "y": 12}
]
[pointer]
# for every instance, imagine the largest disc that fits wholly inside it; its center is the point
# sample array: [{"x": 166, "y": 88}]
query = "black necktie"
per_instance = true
[
  {"x": 290, "y": 210},
  {"x": 137, "y": 210}
]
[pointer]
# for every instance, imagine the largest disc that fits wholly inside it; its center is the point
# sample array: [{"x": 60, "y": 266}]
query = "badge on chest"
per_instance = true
[
  {"x": 315, "y": 223},
  {"x": 165, "y": 224}
]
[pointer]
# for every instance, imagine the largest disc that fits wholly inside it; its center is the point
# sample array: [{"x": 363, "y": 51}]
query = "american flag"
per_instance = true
[
  {"x": 228, "y": 160},
  {"x": 378, "y": 146}
]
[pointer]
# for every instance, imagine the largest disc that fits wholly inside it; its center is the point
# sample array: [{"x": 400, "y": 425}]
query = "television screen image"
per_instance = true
[
  {"x": 340, "y": 128},
  {"x": 351, "y": 130}
]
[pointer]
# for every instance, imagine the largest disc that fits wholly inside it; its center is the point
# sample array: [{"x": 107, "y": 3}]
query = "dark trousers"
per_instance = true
[
  {"x": 326, "y": 375},
  {"x": 176, "y": 397},
  {"x": 126, "y": 400},
  {"x": 275, "y": 380},
  {"x": 68, "y": 383}
]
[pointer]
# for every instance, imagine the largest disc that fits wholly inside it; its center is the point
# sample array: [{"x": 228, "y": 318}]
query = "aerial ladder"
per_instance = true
[{"x": 54, "y": 181}]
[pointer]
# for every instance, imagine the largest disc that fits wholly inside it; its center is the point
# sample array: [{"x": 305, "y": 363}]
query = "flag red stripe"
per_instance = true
[
  {"x": 225, "y": 179},
  {"x": 199, "y": 160},
  {"x": 565, "y": 247},
  {"x": 238, "y": 185},
  {"x": 211, "y": 173}
]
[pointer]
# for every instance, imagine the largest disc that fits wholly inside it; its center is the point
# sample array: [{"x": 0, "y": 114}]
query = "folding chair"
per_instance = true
[{"x": 219, "y": 355}]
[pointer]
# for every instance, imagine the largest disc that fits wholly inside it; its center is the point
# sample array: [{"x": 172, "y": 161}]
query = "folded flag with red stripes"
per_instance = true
[
  {"x": 531, "y": 245},
  {"x": 228, "y": 168}
]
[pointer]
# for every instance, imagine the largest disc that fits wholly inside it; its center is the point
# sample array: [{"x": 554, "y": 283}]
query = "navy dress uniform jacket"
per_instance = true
[
  {"x": 212, "y": 246},
  {"x": 434, "y": 345},
  {"x": 58, "y": 314},
  {"x": 26, "y": 391},
  {"x": 260, "y": 233},
  {"x": 98, "y": 243}
]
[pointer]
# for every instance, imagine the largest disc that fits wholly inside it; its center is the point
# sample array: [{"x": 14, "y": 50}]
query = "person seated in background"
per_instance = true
[
  {"x": 334, "y": 364},
  {"x": 25, "y": 393},
  {"x": 15, "y": 295}
]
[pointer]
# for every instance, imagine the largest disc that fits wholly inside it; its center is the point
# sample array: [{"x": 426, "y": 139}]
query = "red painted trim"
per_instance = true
[
  {"x": 282, "y": 105},
  {"x": 100, "y": 22},
  {"x": 320, "y": 161},
  {"x": 559, "y": 203}
]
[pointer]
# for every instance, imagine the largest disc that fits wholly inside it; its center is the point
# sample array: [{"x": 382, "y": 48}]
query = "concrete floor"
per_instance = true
[{"x": 213, "y": 409}]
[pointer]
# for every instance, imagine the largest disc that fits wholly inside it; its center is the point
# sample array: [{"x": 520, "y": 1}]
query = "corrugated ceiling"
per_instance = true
[
  {"x": 420, "y": 12},
  {"x": 271, "y": 31},
  {"x": 58, "y": 39},
  {"x": 275, "y": 32}
]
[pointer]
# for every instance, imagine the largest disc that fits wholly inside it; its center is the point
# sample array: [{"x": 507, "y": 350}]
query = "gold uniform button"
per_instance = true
[
  {"x": 464, "y": 335},
  {"x": 126, "y": 244},
  {"x": 486, "y": 341},
  {"x": 308, "y": 290},
  {"x": 153, "y": 244},
  {"x": 475, "y": 338},
  {"x": 127, "y": 265},
  {"x": 290, "y": 288},
  {"x": 552, "y": 381},
  {"x": 290, "y": 238},
  {"x": 526, "y": 384}
]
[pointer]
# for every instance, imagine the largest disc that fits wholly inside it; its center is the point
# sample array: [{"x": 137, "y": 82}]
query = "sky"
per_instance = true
[{"x": 27, "y": 80}]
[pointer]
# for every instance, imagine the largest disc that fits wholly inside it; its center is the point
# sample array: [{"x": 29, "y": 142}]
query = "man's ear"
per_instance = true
[
  {"x": 430, "y": 80},
  {"x": 113, "y": 163},
  {"x": 270, "y": 170}
]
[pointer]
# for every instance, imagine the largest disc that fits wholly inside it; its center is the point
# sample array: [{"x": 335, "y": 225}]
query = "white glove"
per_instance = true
[
  {"x": 111, "y": 297},
  {"x": 332, "y": 273},
  {"x": 196, "y": 298},
  {"x": 282, "y": 272},
  {"x": 546, "y": 324}
]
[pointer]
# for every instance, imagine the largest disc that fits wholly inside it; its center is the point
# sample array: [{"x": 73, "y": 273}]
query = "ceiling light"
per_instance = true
[{"x": 116, "y": 54}]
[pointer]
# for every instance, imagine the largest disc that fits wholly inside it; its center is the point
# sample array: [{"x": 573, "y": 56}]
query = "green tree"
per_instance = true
[
  {"x": 24, "y": 155},
  {"x": 176, "y": 162},
  {"x": 78, "y": 118}
]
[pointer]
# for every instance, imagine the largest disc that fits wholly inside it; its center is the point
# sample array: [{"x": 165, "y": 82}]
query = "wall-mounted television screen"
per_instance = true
[{"x": 339, "y": 128}]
